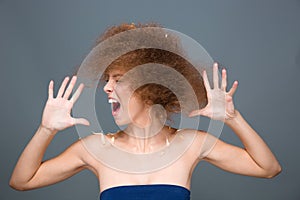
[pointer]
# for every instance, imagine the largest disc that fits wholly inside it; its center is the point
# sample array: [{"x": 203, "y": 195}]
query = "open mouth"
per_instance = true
[{"x": 115, "y": 106}]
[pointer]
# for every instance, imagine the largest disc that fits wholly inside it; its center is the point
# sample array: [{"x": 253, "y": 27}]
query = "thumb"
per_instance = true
[
  {"x": 195, "y": 113},
  {"x": 81, "y": 121}
]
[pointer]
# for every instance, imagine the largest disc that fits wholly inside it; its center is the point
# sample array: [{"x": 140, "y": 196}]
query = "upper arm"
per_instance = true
[
  {"x": 58, "y": 168},
  {"x": 225, "y": 156},
  {"x": 228, "y": 157}
]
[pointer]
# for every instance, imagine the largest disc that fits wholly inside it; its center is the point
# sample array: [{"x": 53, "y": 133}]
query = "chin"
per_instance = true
[{"x": 120, "y": 122}]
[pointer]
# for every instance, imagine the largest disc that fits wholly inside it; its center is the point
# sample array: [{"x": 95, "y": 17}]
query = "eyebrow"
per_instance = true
[
  {"x": 106, "y": 76},
  {"x": 117, "y": 75}
]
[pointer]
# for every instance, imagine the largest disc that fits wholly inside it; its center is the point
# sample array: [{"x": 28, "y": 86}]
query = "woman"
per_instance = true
[{"x": 136, "y": 106}]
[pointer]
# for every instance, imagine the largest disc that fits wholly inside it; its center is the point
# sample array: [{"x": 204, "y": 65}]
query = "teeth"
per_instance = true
[{"x": 112, "y": 101}]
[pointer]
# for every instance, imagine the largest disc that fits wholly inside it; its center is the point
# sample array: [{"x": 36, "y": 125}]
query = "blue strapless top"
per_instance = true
[{"x": 146, "y": 192}]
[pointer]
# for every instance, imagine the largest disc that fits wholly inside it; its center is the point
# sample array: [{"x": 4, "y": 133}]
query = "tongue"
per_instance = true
[{"x": 116, "y": 106}]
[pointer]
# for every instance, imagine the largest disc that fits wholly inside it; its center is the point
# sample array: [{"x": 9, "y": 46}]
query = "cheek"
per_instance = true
[
  {"x": 136, "y": 106},
  {"x": 123, "y": 92},
  {"x": 126, "y": 97},
  {"x": 130, "y": 101}
]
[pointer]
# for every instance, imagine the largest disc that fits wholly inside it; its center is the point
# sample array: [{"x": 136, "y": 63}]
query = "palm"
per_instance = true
[
  {"x": 57, "y": 112},
  {"x": 220, "y": 104}
]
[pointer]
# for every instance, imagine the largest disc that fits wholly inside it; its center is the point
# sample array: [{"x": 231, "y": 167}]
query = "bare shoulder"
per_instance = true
[
  {"x": 95, "y": 143},
  {"x": 76, "y": 151},
  {"x": 91, "y": 142},
  {"x": 203, "y": 142},
  {"x": 90, "y": 148},
  {"x": 198, "y": 134}
]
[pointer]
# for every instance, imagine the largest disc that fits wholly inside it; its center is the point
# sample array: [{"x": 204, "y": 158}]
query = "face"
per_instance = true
[{"x": 126, "y": 106}]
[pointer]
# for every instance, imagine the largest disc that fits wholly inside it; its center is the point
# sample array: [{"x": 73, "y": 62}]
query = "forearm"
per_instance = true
[
  {"x": 31, "y": 158},
  {"x": 254, "y": 144}
]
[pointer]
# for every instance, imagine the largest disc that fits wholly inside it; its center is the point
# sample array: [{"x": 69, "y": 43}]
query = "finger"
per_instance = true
[
  {"x": 77, "y": 93},
  {"x": 196, "y": 113},
  {"x": 224, "y": 80},
  {"x": 81, "y": 121},
  {"x": 215, "y": 76},
  {"x": 50, "y": 90},
  {"x": 62, "y": 87},
  {"x": 70, "y": 87},
  {"x": 205, "y": 80},
  {"x": 233, "y": 88}
]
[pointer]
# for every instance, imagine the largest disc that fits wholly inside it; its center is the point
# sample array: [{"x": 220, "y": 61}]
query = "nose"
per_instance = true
[{"x": 108, "y": 87}]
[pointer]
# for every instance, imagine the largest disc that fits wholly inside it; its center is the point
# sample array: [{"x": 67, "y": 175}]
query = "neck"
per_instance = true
[{"x": 149, "y": 137}]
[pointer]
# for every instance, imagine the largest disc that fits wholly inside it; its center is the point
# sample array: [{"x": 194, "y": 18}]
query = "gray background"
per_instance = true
[{"x": 258, "y": 41}]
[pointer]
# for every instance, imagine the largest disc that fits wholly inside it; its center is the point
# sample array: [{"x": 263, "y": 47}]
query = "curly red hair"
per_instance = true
[{"x": 153, "y": 93}]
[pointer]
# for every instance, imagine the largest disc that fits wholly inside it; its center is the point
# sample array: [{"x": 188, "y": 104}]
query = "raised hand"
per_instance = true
[
  {"x": 57, "y": 112},
  {"x": 220, "y": 104}
]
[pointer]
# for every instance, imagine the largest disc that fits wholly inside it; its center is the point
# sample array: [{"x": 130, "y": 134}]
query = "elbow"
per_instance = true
[
  {"x": 274, "y": 172},
  {"x": 17, "y": 186}
]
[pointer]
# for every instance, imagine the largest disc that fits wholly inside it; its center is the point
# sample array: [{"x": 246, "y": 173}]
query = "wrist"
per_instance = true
[
  {"x": 233, "y": 118},
  {"x": 47, "y": 130}
]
